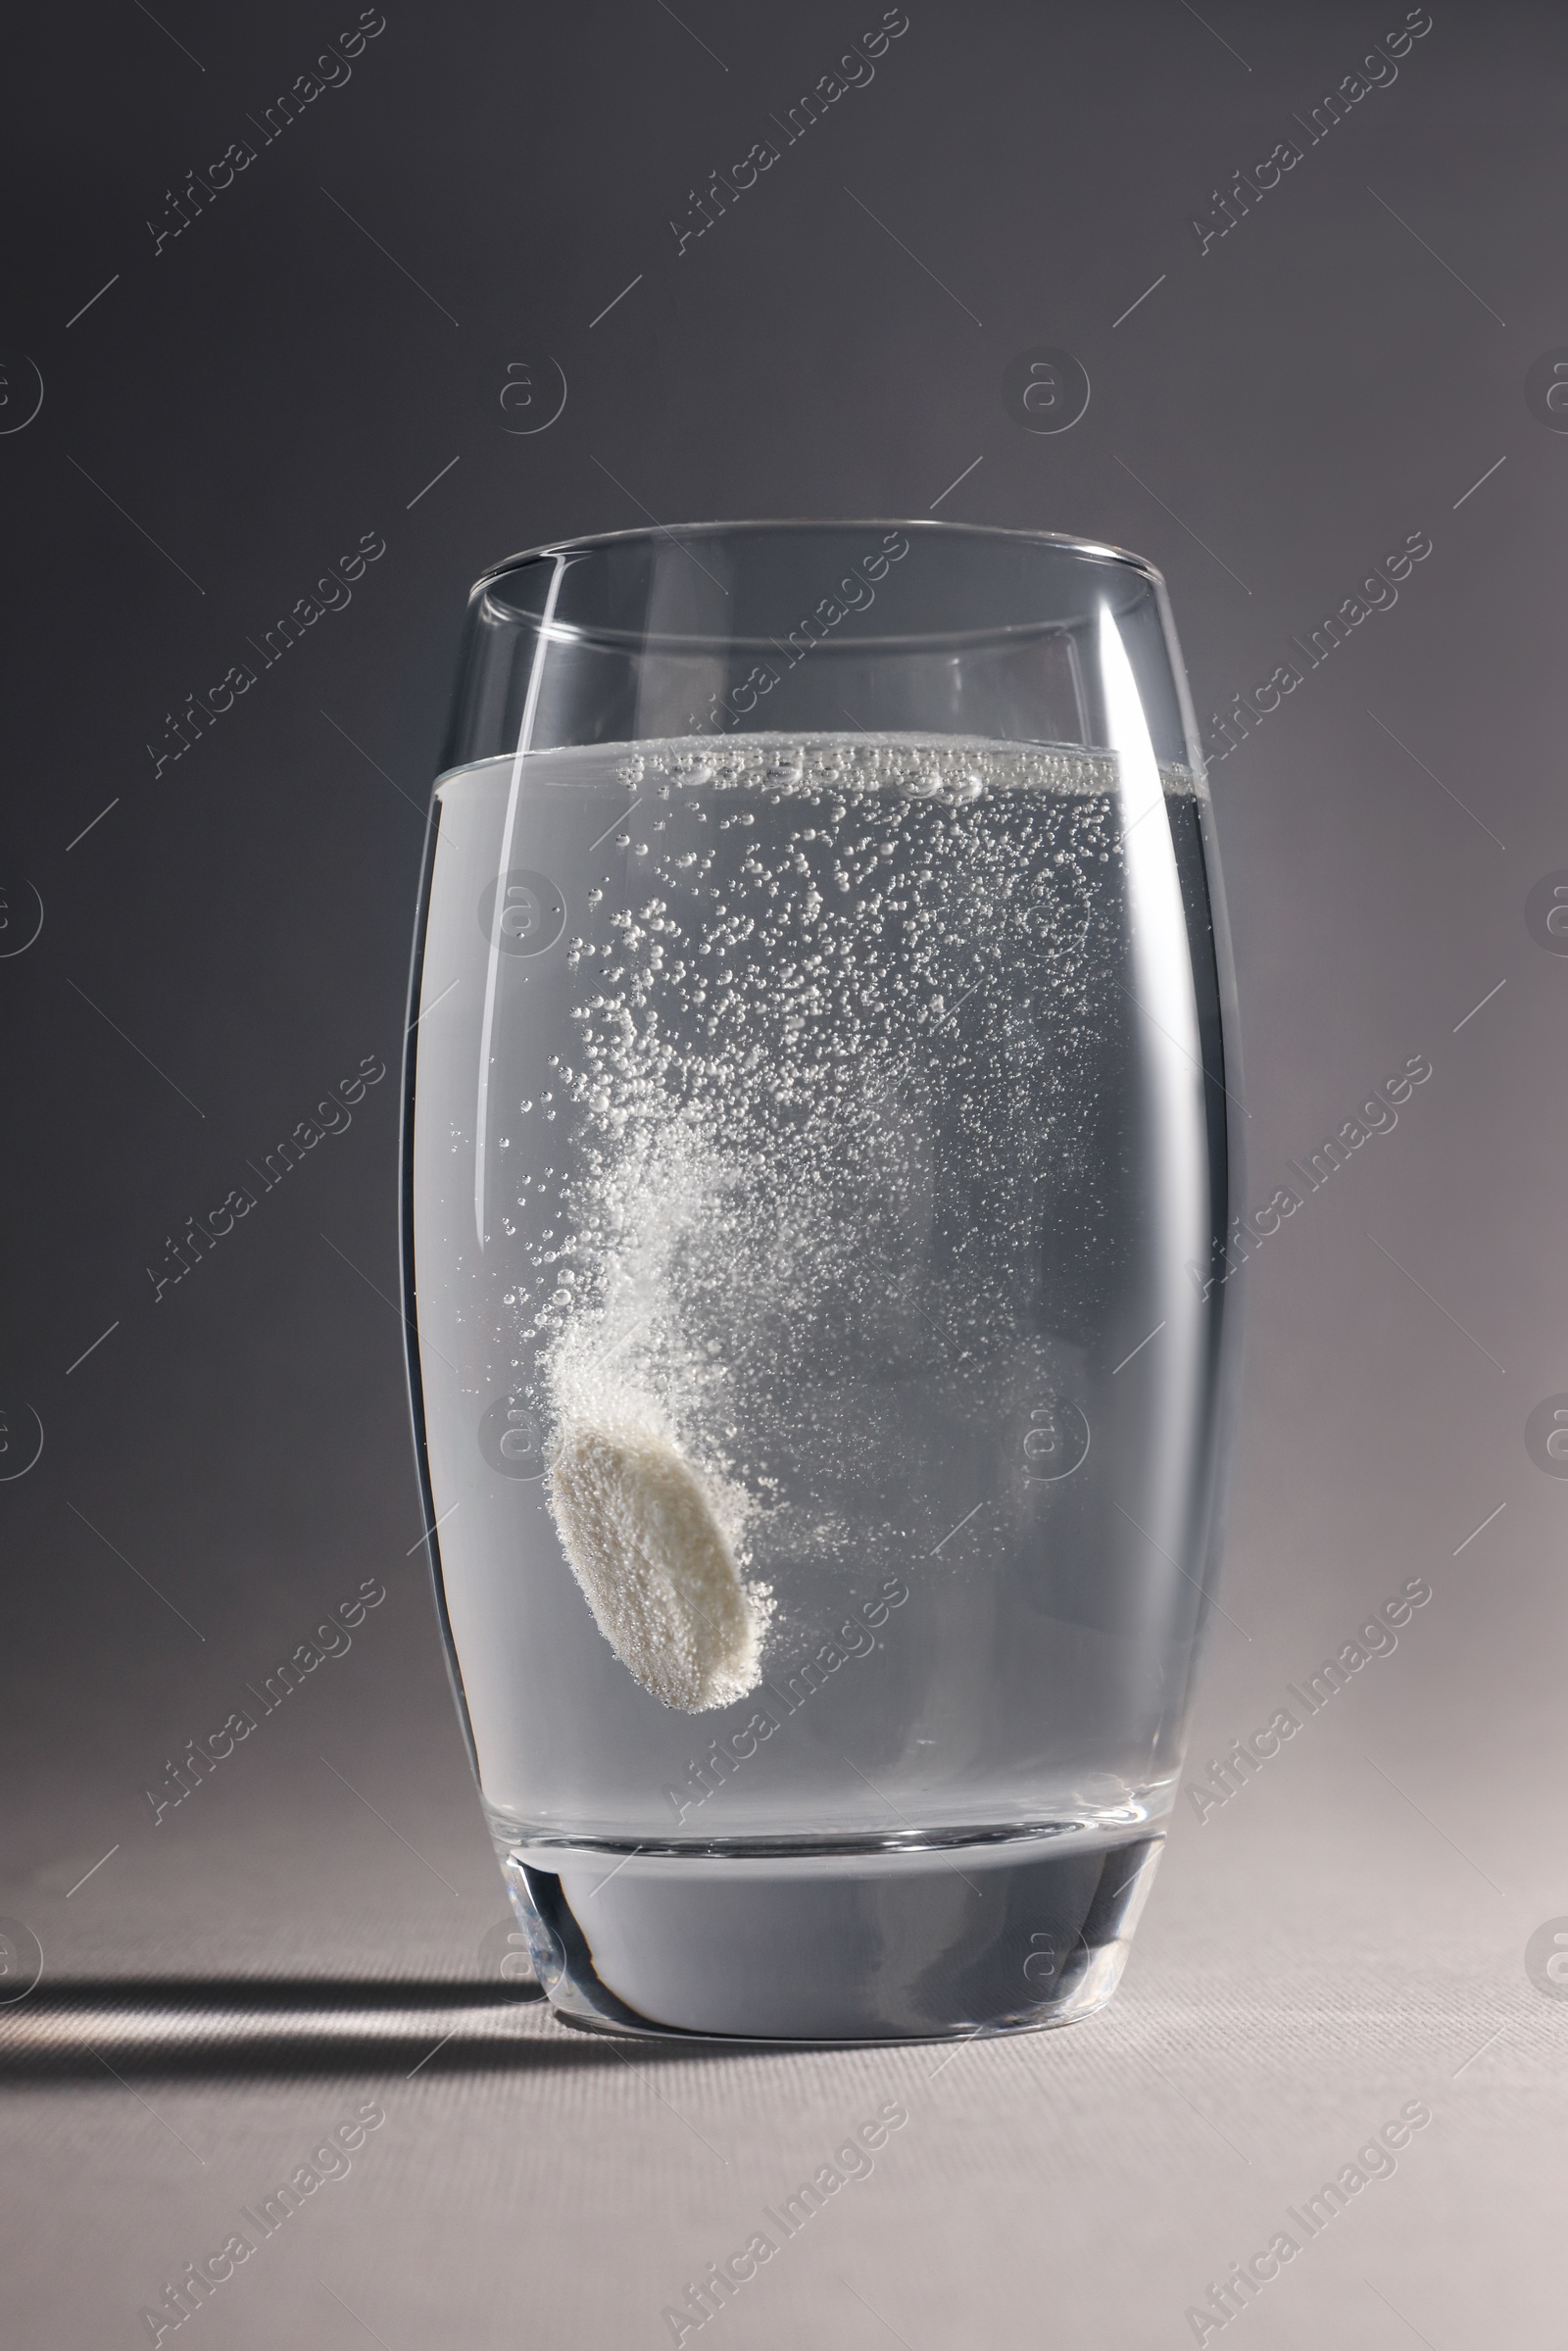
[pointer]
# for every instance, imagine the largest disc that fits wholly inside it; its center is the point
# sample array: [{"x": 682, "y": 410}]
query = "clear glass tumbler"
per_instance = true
[{"x": 818, "y": 1151}]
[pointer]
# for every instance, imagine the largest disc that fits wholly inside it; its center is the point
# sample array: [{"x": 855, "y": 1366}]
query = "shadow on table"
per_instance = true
[{"x": 93, "y": 2030}]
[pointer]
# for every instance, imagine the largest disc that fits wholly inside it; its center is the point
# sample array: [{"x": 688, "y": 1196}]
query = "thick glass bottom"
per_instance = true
[{"x": 918, "y": 1942}]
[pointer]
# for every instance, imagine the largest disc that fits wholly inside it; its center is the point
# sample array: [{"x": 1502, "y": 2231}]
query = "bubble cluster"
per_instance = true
[{"x": 838, "y": 1116}]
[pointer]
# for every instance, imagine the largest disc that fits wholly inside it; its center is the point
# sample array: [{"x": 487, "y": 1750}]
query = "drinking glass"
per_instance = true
[{"x": 819, "y": 1146}]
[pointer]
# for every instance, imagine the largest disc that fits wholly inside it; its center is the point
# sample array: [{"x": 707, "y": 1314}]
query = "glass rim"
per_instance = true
[{"x": 1064, "y": 542}]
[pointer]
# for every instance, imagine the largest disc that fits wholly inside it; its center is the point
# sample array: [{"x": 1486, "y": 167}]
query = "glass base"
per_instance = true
[{"x": 914, "y": 1942}]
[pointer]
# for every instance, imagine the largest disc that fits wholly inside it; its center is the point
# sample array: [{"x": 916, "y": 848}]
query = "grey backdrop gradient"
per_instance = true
[{"x": 321, "y": 353}]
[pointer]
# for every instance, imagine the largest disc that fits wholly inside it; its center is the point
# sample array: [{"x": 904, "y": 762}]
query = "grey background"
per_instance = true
[{"x": 1347, "y": 1935}]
